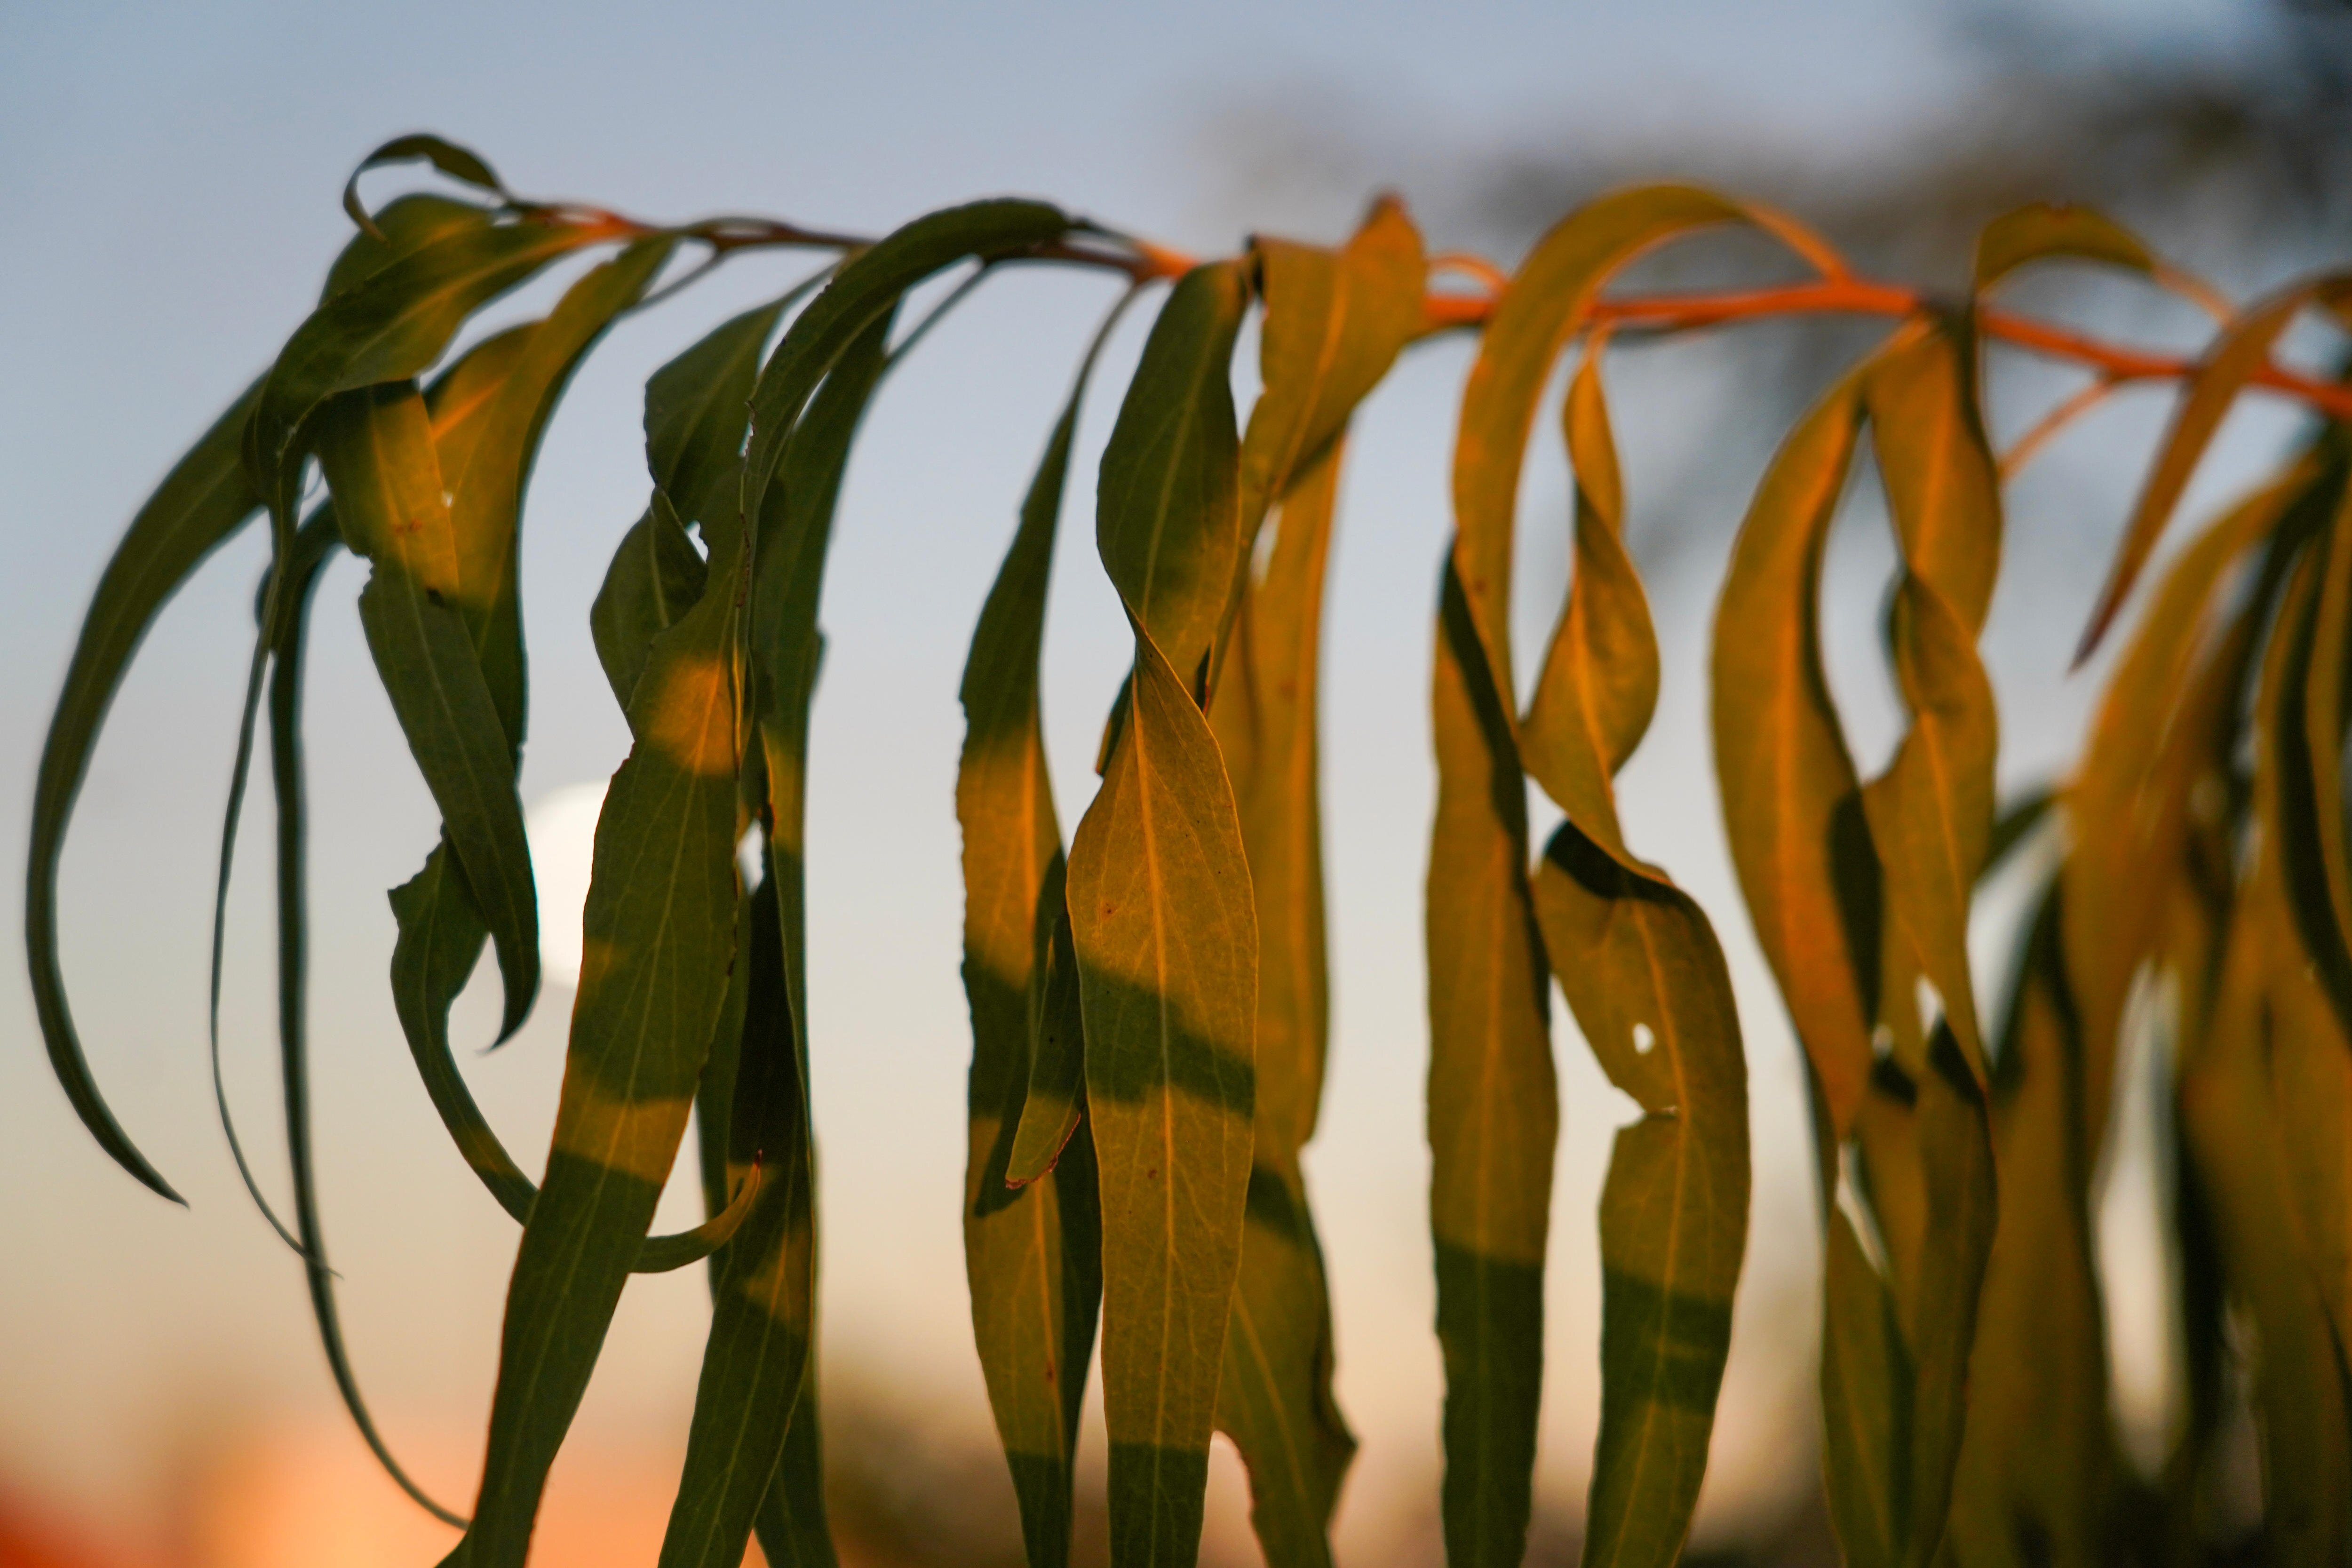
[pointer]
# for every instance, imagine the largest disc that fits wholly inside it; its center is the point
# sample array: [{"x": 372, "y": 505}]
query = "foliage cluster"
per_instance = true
[{"x": 1149, "y": 1002}]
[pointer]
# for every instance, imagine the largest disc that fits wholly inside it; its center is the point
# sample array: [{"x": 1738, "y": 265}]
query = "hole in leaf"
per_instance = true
[{"x": 1643, "y": 1038}]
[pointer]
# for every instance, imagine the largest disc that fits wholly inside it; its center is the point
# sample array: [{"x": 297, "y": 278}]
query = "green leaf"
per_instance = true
[
  {"x": 407, "y": 224},
  {"x": 1275, "y": 1397},
  {"x": 1790, "y": 795},
  {"x": 1031, "y": 1222},
  {"x": 390, "y": 325},
  {"x": 377, "y": 450},
  {"x": 659, "y": 934},
  {"x": 2043, "y": 231},
  {"x": 656, "y": 575},
  {"x": 1168, "y": 522},
  {"x": 792, "y": 1519},
  {"x": 204, "y": 499},
  {"x": 1494, "y": 1102},
  {"x": 868, "y": 286},
  {"x": 2211, "y": 390},
  {"x": 488, "y": 479},
  {"x": 760, "y": 1282},
  {"x": 698, "y": 407},
  {"x": 1646, "y": 977},
  {"x": 457, "y": 163},
  {"x": 1166, "y": 934},
  {"x": 314, "y": 545},
  {"x": 1167, "y": 948},
  {"x": 489, "y": 413},
  {"x": 763, "y": 1324}
]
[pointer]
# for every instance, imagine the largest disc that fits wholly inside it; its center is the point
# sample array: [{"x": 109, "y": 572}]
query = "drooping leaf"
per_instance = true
[
  {"x": 1275, "y": 1396},
  {"x": 488, "y": 416},
  {"x": 390, "y": 325},
  {"x": 2242, "y": 348},
  {"x": 382, "y": 469},
  {"x": 656, "y": 575},
  {"x": 1645, "y": 978},
  {"x": 1545, "y": 304},
  {"x": 757, "y": 1358},
  {"x": 1168, "y": 523},
  {"x": 1165, "y": 933},
  {"x": 1032, "y": 1227},
  {"x": 2309, "y": 1050},
  {"x": 698, "y": 407},
  {"x": 204, "y": 499},
  {"x": 2307, "y": 740},
  {"x": 402, "y": 312},
  {"x": 755, "y": 1278},
  {"x": 1335, "y": 321},
  {"x": 1931, "y": 813},
  {"x": 1792, "y": 798},
  {"x": 406, "y": 225},
  {"x": 314, "y": 545},
  {"x": 659, "y": 934},
  {"x": 1930, "y": 816},
  {"x": 1494, "y": 1102},
  {"x": 2238, "y": 1167},
  {"x": 457, "y": 163},
  {"x": 201, "y": 502},
  {"x": 492, "y": 402},
  {"x": 2038, "y": 1461},
  {"x": 868, "y": 286},
  {"x": 489, "y": 477},
  {"x": 1494, "y": 1113},
  {"x": 1866, "y": 1398},
  {"x": 2130, "y": 803},
  {"x": 1167, "y": 946},
  {"x": 1955, "y": 1154}
]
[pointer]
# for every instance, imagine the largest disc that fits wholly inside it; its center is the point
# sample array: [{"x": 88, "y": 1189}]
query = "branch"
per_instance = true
[{"x": 1142, "y": 262}]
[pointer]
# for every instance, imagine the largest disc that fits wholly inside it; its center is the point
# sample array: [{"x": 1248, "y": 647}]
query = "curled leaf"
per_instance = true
[{"x": 457, "y": 163}]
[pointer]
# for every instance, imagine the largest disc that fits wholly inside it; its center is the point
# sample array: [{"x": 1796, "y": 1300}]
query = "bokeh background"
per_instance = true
[{"x": 169, "y": 174}]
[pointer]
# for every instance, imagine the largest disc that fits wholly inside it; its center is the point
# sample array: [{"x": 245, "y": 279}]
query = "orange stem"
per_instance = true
[{"x": 1143, "y": 261}]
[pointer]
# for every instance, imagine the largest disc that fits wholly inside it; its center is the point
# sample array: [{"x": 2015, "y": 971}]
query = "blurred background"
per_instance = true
[{"x": 170, "y": 175}]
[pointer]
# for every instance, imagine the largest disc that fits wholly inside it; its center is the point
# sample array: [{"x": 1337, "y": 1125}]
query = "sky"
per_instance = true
[{"x": 171, "y": 177}]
